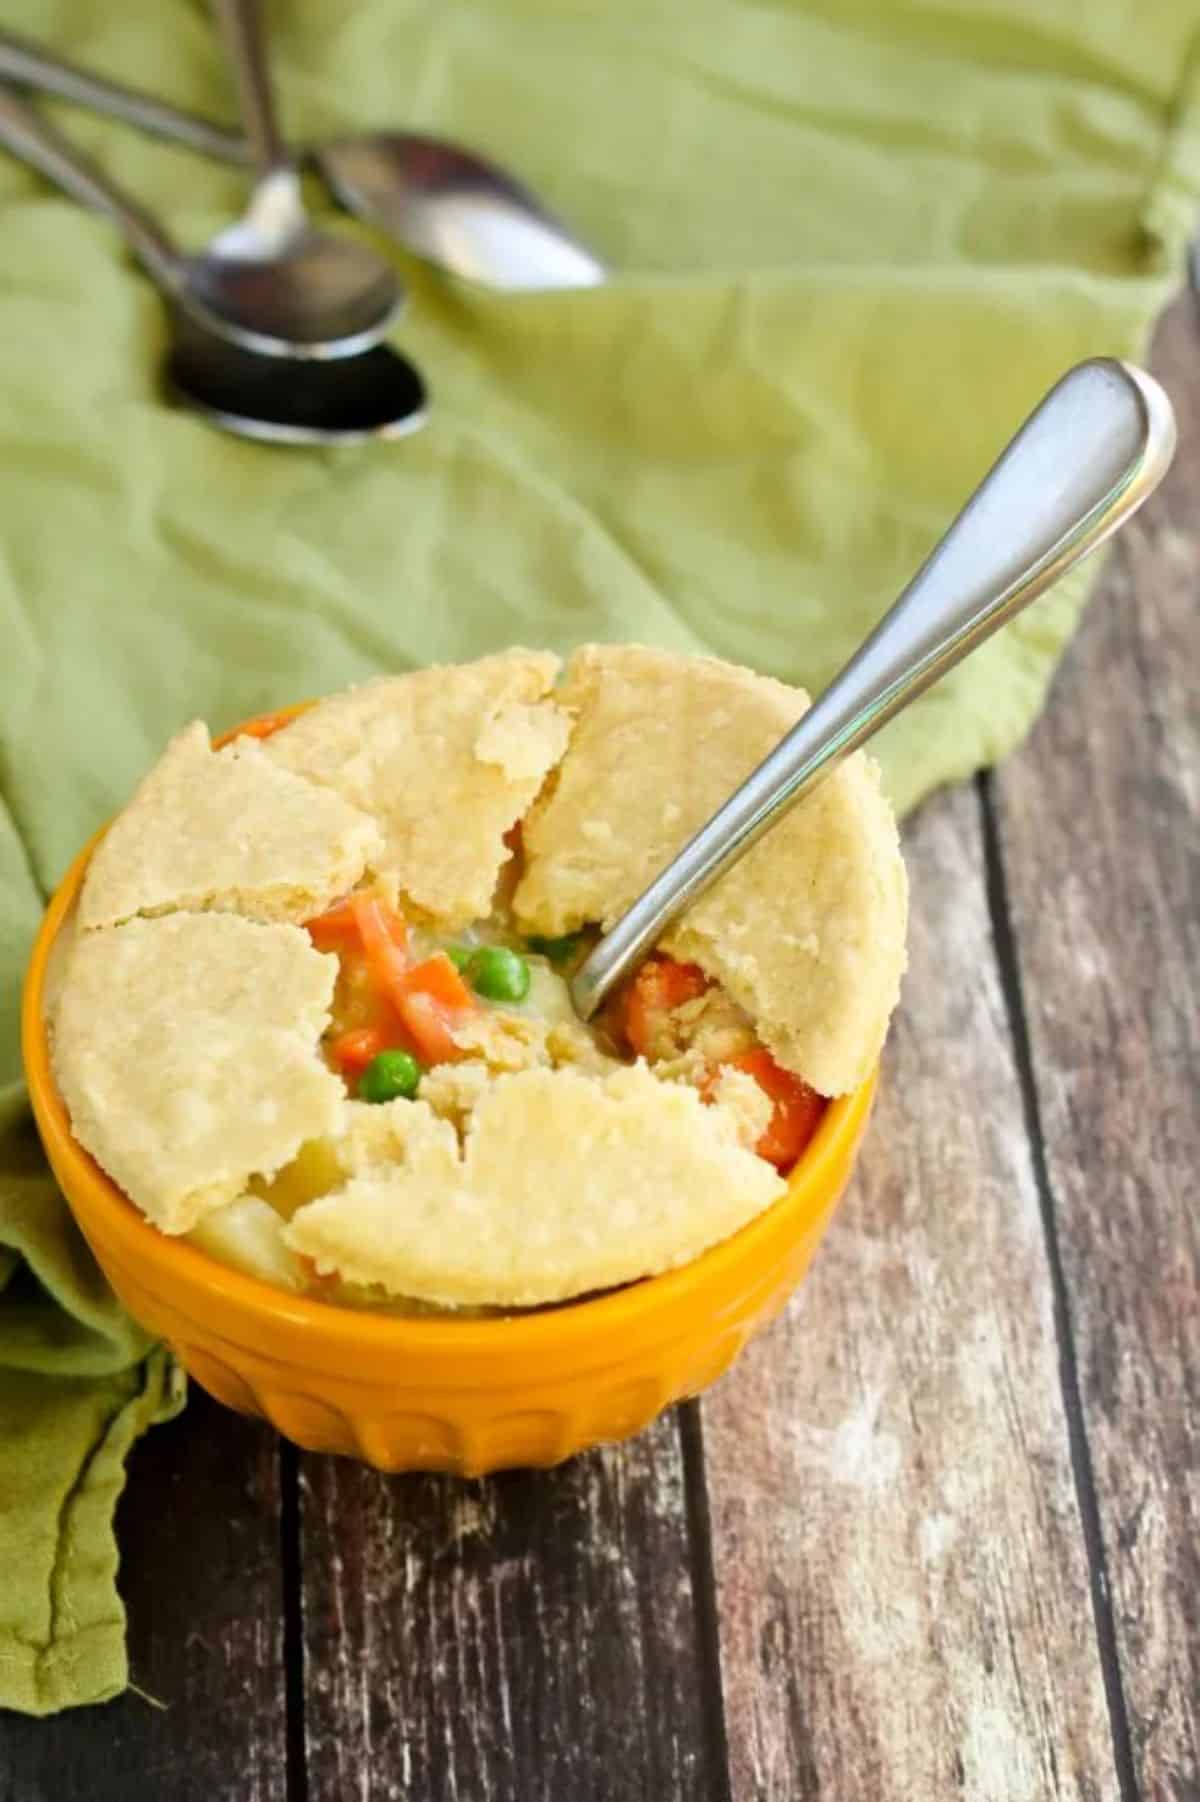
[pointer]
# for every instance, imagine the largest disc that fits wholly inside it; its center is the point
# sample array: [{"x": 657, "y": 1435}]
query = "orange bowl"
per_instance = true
[{"x": 467, "y": 1396}]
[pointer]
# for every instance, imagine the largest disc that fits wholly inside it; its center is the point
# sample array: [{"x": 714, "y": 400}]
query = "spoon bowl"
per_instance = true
[
  {"x": 281, "y": 286},
  {"x": 274, "y": 285},
  {"x": 377, "y": 394},
  {"x": 455, "y": 209}
]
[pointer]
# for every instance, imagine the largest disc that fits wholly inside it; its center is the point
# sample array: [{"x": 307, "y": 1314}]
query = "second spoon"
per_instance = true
[
  {"x": 314, "y": 293},
  {"x": 377, "y": 393}
]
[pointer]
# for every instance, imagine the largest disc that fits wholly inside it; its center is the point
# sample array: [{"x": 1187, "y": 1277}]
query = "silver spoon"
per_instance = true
[
  {"x": 456, "y": 210},
  {"x": 1083, "y": 462},
  {"x": 375, "y": 394},
  {"x": 448, "y": 204},
  {"x": 310, "y": 293},
  {"x": 281, "y": 400},
  {"x": 239, "y": 301}
]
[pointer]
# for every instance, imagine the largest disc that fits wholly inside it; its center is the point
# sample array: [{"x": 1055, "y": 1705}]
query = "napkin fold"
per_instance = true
[{"x": 853, "y": 244}]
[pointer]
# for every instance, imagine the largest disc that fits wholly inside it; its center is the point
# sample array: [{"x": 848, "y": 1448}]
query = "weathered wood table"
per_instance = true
[{"x": 939, "y": 1533}]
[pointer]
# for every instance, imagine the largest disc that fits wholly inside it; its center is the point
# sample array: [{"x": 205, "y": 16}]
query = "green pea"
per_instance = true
[
  {"x": 559, "y": 951},
  {"x": 498, "y": 973},
  {"x": 389, "y": 1075},
  {"x": 459, "y": 955}
]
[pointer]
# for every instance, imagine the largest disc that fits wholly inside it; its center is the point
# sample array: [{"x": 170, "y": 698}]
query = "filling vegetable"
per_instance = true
[
  {"x": 417, "y": 1016},
  {"x": 404, "y": 1005},
  {"x": 672, "y": 1011}
]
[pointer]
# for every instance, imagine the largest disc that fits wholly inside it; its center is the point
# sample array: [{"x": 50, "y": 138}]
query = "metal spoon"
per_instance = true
[
  {"x": 375, "y": 394},
  {"x": 1083, "y": 462},
  {"x": 456, "y": 210},
  {"x": 217, "y": 292},
  {"x": 448, "y": 204},
  {"x": 283, "y": 400},
  {"x": 309, "y": 293}
]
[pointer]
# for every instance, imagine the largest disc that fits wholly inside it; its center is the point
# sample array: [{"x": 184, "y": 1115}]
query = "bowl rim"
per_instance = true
[{"x": 92, "y": 1194}]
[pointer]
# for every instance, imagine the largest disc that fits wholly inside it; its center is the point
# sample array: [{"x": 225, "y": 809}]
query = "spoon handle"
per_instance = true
[
  {"x": 240, "y": 25},
  {"x": 28, "y": 66},
  {"x": 34, "y": 141},
  {"x": 1082, "y": 463}
]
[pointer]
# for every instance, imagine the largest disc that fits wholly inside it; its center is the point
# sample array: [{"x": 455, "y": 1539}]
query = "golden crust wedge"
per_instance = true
[
  {"x": 565, "y": 1183},
  {"x": 806, "y": 932},
  {"x": 446, "y": 760},
  {"x": 226, "y": 830},
  {"x": 186, "y": 1050}
]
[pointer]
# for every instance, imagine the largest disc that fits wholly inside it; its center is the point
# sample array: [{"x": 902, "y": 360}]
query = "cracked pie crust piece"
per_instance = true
[
  {"x": 564, "y": 1183},
  {"x": 446, "y": 760},
  {"x": 226, "y": 830},
  {"x": 807, "y": 932},
  {"x": 187, "y": 1051}
]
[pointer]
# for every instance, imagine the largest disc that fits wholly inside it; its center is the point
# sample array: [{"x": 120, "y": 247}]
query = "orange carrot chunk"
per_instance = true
[
  {"x": 267, "y": 724},
  {"x": 352, "y": 1051},
  {"x": 660, "y": 986},
  {"x": 336, "y": 928},
  {"x": 383, "y": 935},
  {"x": 429, "y": 1023},
  {"x": 430, "y": 998},
  {"x": 437, "y": 976},
  {"x": 798, "y": 1108}
]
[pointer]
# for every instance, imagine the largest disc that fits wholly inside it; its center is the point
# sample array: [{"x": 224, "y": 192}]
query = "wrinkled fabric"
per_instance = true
[{"x": 854, "y": 243}]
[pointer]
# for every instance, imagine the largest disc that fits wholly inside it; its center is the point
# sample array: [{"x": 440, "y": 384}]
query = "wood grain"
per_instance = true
[
  {"x": 530, "y": 1638},
  {"x": 1100, "y": 827},
  {"x": 903, "y": 1587},
  {"x": 199, "y": 1532}
]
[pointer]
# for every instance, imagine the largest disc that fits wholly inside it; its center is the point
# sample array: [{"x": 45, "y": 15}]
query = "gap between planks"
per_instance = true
[
  {"x": 1008, "y": 965},
  {"x": 291, "y": 1562}
]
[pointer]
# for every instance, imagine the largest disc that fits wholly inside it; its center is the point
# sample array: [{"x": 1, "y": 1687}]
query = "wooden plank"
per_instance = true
[
  {"x": 902, "y": 1584},
  {"x": 530, "y": 1638},
  {"x": 198, "y": 1527},
  {"x": 1100, "y": 823}
]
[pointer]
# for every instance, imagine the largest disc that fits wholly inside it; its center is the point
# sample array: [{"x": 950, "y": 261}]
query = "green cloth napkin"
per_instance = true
[{"x": 855, "y": 241}]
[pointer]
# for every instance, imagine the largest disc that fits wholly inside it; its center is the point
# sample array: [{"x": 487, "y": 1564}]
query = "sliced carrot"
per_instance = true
[
  {"x": 436, "y": 976},
  {"x": 429, "y": 1022},
  {"x": 660, "y": 986},
  {"x": 432, "y": 998},
  {"x": 798, "y": 1108},
  {"x": 352, "y": 1051},
  {"x": 385, "y": 955},
  {"x": 267, "y": 724},
  {"x": 336, "y": 928},
  {"x": 378, "y": 924},
  {"x": 413, "y": 1006},
  {"x": 341, "y": 924}
]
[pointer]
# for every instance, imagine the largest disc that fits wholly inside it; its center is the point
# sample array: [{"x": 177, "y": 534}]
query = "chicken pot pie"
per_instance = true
[{"x": 314, "y": 1011}]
